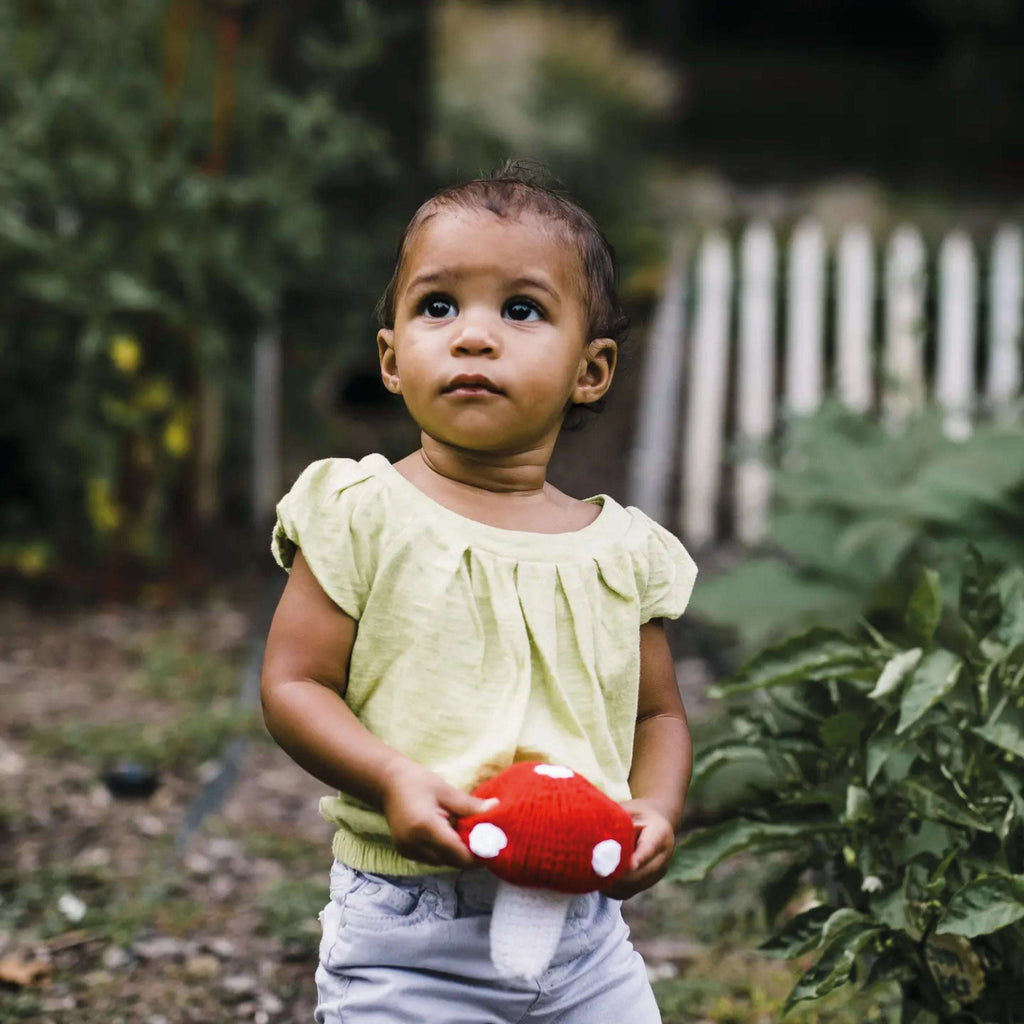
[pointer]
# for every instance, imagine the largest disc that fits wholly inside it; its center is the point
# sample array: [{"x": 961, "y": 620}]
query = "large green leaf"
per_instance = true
[
  {"x": 881, "y": 748},
  {"x": 844, "y": 938},
  {"x": 931, "y": 802},
  {"x": 984, "y": 905},
  {"x": 699, "y": 852},
  {"x": 925, "y": 607},
  {"x": 933, "y": 678},
  {"x": 764, "y": 598},
  {"x": 818, "y": 653},
  {"x": 724, "y": 755},
  {"x": 897, "y": 668},
  {"x": 799, "y": 935},
  {"x": 1006, "y": 731},
  {"x": 980, "y": 604},
  {"x": 1011, "y": 625}
]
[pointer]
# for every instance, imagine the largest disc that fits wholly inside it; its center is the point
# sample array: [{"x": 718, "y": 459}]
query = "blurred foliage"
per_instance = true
[
  {"x": 538, "y": 81},
  {"x": 858, "y": 510},
  {"x": 890, "y": 774},
  {"x": 169, "y": 184}
]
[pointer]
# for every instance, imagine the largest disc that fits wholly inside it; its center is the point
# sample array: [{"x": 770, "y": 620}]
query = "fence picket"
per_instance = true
[
  {"x": 650, "y": 467},
  {"x": 705, "y": 414},
  {"x": 855, "y": 308},
  {"x": 805, "y": 349},
  {"x": 755, "y": 394},
  {"x": 954, "y": 365},
  {"x": 1006, "y": 291},
  {"x": 905, "y": 283}
]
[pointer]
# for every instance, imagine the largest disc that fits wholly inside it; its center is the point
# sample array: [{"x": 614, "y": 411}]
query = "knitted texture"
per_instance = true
[
  {"x": 526, "y": 926},
  {"x": 551, "y": 829}
]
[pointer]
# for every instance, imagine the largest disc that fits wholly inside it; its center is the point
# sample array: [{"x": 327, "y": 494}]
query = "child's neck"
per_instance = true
[
  {"x": 518, "y": 473},
  {"x": 507, "y": 491}
]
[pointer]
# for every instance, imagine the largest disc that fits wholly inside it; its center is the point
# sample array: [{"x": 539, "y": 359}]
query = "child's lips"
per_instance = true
[{"x": 471, "y": 384}]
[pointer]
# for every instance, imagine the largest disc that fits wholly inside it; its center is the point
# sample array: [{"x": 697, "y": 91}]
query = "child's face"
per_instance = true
[{"x": 490, "y": 344}]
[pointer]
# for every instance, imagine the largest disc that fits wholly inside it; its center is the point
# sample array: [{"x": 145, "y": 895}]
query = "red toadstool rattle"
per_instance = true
[{"x": 551, "y": 835}]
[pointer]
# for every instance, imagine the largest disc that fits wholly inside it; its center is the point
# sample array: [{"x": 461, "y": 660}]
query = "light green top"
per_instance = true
[{"x": 478, "y": 646}]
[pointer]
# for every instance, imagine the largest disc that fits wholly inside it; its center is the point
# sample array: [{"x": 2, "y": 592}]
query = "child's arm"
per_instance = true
[
  {"x": 305, "y": 673},
  {"x": 662, "y": 761}
]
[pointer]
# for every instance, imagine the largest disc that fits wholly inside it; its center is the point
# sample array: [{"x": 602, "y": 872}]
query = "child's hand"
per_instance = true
[
  {"x": 654, "y": 845},
  {"x": 419, "y": 806}
]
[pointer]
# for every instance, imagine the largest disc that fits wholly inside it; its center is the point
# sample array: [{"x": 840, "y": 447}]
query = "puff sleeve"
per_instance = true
[
  {"x": 329, "y": 515},
  {"x": 668, "y": 577}
]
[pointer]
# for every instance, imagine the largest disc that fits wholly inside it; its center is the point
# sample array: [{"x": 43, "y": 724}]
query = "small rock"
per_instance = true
[
  {"x": 131, "y": 780},
  {"x": 202, "y": 966},
  {"x": 93, "y": 857},
  {"x": 223, "y": 849},
  {"x": 271, "y": 1004},
  {"x": 661, "y": 972},
  {"x": 72, "y": 907},
  {"x": 208, "y": 771},
  {"x": 156, "y": 1018},
  {"x": 56, "y": 1003},
  {"x": 150, "y": 825},
  {"x": 160, "y": 947},
  {"x": 11, "y": 762},
  {"x": 100, "y": 798},
  {"x": 222, "y": 887},
  {"x": 96, "y": 979},
  {"x": 199, "y": 864},
  {"x": 239, "y": 984},
  {"x": 222, "y": 947},
  {"x": 665, "y": 949},
  {"x": 114, "y": 957},
  {"x": 261, "y": 1017},
  {"x": 245, "y": 1010}
]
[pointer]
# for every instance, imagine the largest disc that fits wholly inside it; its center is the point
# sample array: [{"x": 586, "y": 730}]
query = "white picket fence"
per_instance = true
[{"x": 865, "y": 321}]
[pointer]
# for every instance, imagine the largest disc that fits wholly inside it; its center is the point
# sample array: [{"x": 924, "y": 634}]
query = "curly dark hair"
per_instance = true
[{"x": 520, "y": 186}]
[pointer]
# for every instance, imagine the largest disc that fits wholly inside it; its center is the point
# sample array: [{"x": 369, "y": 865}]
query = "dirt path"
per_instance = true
[{"x": 102, "y": 917}]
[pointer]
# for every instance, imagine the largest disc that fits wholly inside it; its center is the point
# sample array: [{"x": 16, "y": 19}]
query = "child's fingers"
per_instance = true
[
  {"x": 459, "y": 804},
  {"x": 647, "y": 847}
]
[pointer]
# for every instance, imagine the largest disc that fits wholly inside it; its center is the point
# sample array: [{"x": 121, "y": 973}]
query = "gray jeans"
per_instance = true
[{"x": 416, "y": 951}]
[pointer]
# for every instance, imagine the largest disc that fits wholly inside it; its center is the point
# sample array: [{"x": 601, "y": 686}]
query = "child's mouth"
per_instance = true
[{"x": 471, "y": 385}]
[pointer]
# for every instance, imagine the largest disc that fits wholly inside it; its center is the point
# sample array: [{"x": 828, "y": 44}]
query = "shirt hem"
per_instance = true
[{"x": 378, "y": 858}]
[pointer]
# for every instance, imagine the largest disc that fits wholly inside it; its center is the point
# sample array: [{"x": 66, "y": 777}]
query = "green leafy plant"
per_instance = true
[
  {"x": 153, "y": 218},
  {"x": 890, "y": 771},
  {"x": 858, "y": 511}
]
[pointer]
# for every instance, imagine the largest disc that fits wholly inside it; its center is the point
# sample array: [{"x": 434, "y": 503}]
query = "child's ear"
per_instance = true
[
  {"x": 388, "y": 361},
  {"x": 597, "y": 368}
]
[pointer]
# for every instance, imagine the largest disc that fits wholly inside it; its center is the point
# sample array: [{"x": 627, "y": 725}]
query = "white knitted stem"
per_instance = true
[{"x": 526, "y": 925}]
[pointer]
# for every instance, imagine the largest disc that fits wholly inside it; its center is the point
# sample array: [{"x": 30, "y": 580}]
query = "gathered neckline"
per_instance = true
[{"x": 525, "y": 541}]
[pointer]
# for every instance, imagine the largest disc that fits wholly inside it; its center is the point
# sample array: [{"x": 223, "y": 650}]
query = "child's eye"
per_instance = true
[
  {"x": 523, "y": 310},
  {"x": 438, "y": 307}
]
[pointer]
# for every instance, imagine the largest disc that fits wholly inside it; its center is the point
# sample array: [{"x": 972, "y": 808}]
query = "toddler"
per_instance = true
[{"x": 454, "y": 613}]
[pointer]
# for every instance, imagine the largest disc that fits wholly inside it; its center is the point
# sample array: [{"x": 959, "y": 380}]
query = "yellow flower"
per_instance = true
[
  {"x": 104, "y": 512},
  {"x": 125, "y": 353},
  {"x": 154, "y": 394},
  {"x": 177, "y": 436},
  {"x": 32, "y": 559}
]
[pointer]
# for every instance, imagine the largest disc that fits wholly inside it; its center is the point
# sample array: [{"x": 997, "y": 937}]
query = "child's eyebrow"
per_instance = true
[
  {"x": 535, "y": 282},
  {"x": 426, "y": 278}
]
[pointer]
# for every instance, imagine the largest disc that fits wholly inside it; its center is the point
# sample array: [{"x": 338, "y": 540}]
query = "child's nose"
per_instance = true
[{"x": 475, "y": 338}]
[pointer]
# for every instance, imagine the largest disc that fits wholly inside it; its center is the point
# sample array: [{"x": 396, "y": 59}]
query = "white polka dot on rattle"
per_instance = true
[
  {"x": 554, "y": 771},
  {"x": 487, "y": 840},
  {"x": 605, "y": 858}
]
